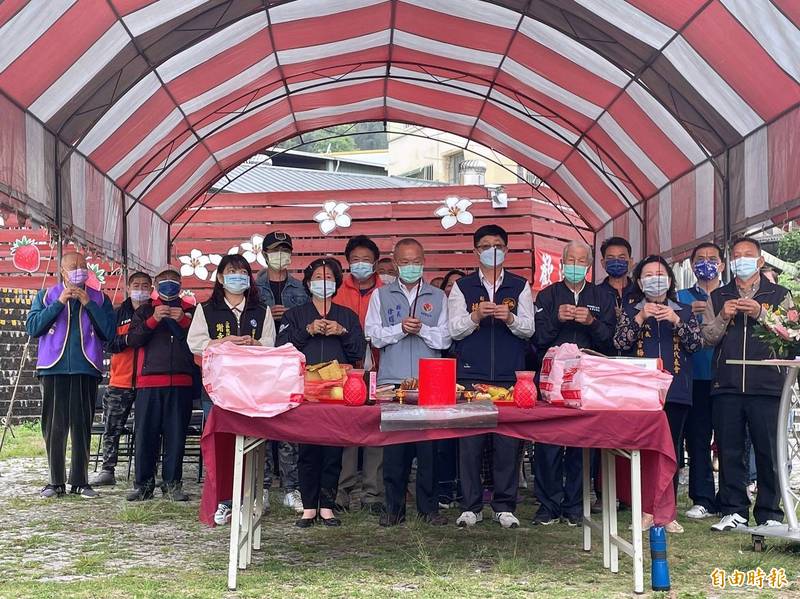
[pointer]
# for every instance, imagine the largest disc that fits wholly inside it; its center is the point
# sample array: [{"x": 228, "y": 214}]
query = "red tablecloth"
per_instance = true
[{"x": 330, "y": 424}]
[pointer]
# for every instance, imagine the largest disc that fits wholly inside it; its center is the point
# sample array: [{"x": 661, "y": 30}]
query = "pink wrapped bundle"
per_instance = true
[
  {"x": 254, "y": 380},
  {"x": 599, "y": 383},
  {"x": 553, "y": 370}
]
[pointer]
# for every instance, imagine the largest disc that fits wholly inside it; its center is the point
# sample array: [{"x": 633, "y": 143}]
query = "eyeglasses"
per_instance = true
[{"x": 497, "y": 246}]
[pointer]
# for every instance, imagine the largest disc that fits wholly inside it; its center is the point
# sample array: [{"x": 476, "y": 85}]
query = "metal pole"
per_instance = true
[
  {"x": 59, "y": 213},
  {"x": 726, "y": 216}
]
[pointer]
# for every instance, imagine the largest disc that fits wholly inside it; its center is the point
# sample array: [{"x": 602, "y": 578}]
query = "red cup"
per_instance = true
[{"x": 437, "y": 382}]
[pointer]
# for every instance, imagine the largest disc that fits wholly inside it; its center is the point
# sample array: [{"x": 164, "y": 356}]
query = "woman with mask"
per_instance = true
[
  {"x": 323, "y": 331},
  {"x": 657, "y": 326}
]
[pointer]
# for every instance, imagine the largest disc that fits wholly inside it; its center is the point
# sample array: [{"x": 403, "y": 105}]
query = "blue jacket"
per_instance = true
[
  {"x": 654, "y": 339},
  {"x": 701, "y": 360},
  {"x": 41, "y": 318},
  {"x": 491, "y": 353},
  {"x": 293, "y": 293}
]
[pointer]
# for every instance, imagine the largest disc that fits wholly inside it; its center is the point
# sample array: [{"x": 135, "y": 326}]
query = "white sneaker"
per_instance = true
[
  {"x": 698, "y": 512},
  {"x": 223, "y": 514},
  {"x": 772, "y": 523},
  {"x": 729, "y": 522},
  {"x": 294, "y": 501},
  {"x": 468, "y": 519},
  {"x": 506, "y": 519}
]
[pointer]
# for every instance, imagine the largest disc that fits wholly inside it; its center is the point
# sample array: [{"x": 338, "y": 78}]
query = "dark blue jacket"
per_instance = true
[
  {"x": 654, "y": 339},
  {"x": 701, "y": 360},
  {"x": 739, "y": 343},
  {"x": 492, "y": 353},
  {"x": 550, "y": 332}
]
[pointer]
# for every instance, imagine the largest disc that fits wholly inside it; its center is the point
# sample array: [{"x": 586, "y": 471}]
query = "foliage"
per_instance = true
[
  {"x": 791, "y": 282},
  {"x": 781, "y": 332},
  {"x": 358, "y": 136},
  {"x": 789, "y": 246}
]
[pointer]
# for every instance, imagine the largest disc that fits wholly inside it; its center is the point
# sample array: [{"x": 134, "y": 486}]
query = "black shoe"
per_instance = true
[
  {"x": 331, "y": 521},
  {"x": 434, "y": 519},
  {"x": 543, "y": 519},
  {"x": 84, "y": 491},
  {"x": 305, "y": 522},
  {"x": 375, "y": 508},
  {"x": 571, "y": 520},
  {"x": 388, "y": 519},
  {"x": 142, "y": 493},
  {"x": 174, "y": 491},
  {"x": 106, "y": 478},
  {"x": 51, "y": 491}
]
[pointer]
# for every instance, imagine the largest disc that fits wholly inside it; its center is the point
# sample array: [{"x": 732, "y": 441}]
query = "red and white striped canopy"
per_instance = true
[{"x": 609, "y": 102}]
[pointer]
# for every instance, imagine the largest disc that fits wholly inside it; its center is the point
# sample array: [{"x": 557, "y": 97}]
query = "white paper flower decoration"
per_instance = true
[
  {"x": 195, "y": 264},
  {"x": 253, "y": 250},
  {"x": 454, "y": 211},
  {"x": 215, "y": 259},
  {"x": 333, "y": 215}
]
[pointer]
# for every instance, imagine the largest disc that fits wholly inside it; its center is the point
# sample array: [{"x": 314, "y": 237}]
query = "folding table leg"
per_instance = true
[
  {"x": 247, "y": 512},
  {"x": 587, "y": 506},
  {"x": 636, "y": 515},
  {"x": 612, "y": 512},
  {"x": 258, "y": 486},
  {"x": 604, "y": 455},
  {"x": 236, "y": 507}
]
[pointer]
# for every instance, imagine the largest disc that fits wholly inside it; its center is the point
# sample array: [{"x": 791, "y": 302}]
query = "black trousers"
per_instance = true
[
  {"x": 558, "y": 479},
  {"x": 67, "y": 409},
  {"x": 731, "y": 414},
  {"x": 698, "y": 433},
  {"x": 162, "y": 415},
  {"x": 505, "y": 472},
  {"x": 318, "y": 470},
  {"x": 676, "y": 416},
  {"x": 397, "y": 460},
  {"x": 447, "y": 486},
  {"x": 117, "y": 404}
]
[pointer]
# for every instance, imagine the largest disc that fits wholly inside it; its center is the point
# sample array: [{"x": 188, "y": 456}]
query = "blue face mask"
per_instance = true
[
  {"x": 575, "y": 273},
  {"x": 322, "y": 289},
  {"x": 487, "y": 257},
  {"x": 168, "y": 290},
  {"x": 236, "y": 283},
  {"x": 744, "y": 267},
  {"x": 362, "y": 270},
  {"x": 617, "y": 267},
  {"x": 706, "y": 271},
  {"x": 410, "y": 273}
]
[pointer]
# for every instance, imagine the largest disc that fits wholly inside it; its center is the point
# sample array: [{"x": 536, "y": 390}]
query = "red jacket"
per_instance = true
[{"x": 350, "y": 296}]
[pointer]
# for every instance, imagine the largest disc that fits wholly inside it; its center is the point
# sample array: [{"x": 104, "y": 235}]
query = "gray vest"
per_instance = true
[{"x": 401, "y": 360}]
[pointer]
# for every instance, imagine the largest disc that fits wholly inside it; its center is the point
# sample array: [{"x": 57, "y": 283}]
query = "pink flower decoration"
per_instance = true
[
  {"x": 793, "y": 315},
  {"x": 781, "y": 331}
]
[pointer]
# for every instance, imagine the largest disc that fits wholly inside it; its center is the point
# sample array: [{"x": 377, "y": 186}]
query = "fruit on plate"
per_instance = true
[
  {"x": 337, "y": 393},
  {"x": 483, "y": 396},
  {"x": 460, "y": 388},
  {"x": 409, "y": 384},
  {"x": 494, "y": 392}
]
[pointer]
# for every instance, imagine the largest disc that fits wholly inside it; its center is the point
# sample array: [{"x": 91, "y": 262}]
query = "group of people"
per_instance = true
[{"x": 382, "y": 315}]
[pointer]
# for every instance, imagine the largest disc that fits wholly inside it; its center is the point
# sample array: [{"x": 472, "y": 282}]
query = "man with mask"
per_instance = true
[
  {"x": 744, "y": 396},
  {"x": 386, "y": 270},
  {"x": 71, "y": 321},
  {"x": 491, "y": 320},
  {"x": 571, "y": 311},
  {"x": 280, "y": 291},
  {"x": 407, "y": 320},
  {"x": 121, "y": 391},
  {"x": 707, "y": 265},
  {"x": 164, "y": 372},
  {"x": 362, "y": 255},
  {"x": 616, "y": 260}
]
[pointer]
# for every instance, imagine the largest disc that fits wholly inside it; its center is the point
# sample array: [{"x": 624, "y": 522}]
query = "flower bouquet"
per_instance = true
[{"x": 780, "y": 330}]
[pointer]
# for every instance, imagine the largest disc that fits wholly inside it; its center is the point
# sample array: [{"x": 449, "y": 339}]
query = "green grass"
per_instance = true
[{"x": 26, "y": 442}]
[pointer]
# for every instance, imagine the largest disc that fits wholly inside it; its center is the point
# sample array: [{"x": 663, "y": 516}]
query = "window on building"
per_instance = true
[
  {"x": 424, "y": 172},
  {"x": 454, "y": 161}
]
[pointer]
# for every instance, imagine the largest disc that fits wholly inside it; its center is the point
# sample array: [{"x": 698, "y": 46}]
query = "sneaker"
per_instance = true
[
  {"x": 174, "y": 491},
  {"x": 543, "y": 519},
  {"x": 388, "y": 519},
  {"x": 698, "y": 512},
  {"x": 506, "y": 519},
  {"x": 772, "y": 523},
  {"x": 143, "y": 493},
  {"x": 106, "y": 478},
  {"x": 674, "y": 527},
  {"x": 729, "y": 522},
  {"x": 434, "y": 519},
  {"x": 572, "y": 520},
  {"x": 223, "y": 514},
  {"x": 86, "y": 492},
  {"x": 468, "y": 519},
  {"x": 293, "y": 500},
  {"x": 51, "y": 491}
]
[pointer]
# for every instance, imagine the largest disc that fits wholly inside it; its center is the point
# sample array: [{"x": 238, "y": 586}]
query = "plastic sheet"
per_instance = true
[
  {"x": 254, "y": 380},
  {"x": 403, "y": 417}
]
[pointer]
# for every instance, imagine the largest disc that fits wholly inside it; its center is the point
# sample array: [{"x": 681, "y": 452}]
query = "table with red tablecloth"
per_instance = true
[{"x": 340, "y": 425}]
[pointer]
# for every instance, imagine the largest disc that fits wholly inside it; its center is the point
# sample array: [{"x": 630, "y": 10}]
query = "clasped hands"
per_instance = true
[
  {"x": 499, "y": 312},
  {"x": 747, "y": 306},
  {"x": 77, "y": 293},
  {"x": 579, "y": 314},
  {"x": 322, "y": 326},
  {"x": 161, "y": 312}
]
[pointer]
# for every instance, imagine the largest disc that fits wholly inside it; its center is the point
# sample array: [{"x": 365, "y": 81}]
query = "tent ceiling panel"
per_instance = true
[{"x": 609, "y": 103}]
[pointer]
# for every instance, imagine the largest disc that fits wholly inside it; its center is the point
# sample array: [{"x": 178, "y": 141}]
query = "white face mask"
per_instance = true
[
  {"x": 322, "y": 289},
  {"x": 279, "y": 260},
  {"x": 655, "y": 286},
  {"x": 388, "y": 279}
]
